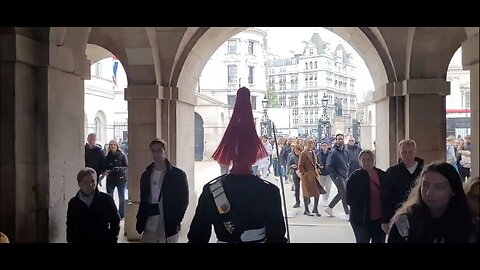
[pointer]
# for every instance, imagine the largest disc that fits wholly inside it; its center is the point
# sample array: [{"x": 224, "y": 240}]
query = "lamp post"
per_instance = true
[
  {"x": 265, "y": 120},
  {"x": 324, "y": 122}
]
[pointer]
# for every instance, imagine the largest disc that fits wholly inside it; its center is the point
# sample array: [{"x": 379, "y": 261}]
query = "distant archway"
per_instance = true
[
  {"x": 100, "y": 127},
  {"x": 199, "y": 138}
]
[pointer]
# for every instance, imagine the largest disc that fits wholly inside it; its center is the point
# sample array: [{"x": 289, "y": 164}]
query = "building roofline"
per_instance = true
[{"x": 211, "y": 99}]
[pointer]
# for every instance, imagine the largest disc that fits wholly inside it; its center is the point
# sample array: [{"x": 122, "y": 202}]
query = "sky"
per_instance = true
[{"x": 281, "y": 40}]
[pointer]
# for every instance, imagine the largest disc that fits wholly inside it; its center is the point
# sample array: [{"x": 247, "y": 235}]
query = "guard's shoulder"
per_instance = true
[
  {"x": 211, "y": 182},
  {"x": 268, "y": 185}
]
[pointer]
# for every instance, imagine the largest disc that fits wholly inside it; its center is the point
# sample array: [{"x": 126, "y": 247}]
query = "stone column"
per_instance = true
[
  {"x": 42, "y": 105},
  {"x": 425, "y": 119},
  {"x": 470, "y": 61},
  {"x": 386, "y": 125},
  {"x": 145, "y": 120},
  {"x": 182, "y": 140}
]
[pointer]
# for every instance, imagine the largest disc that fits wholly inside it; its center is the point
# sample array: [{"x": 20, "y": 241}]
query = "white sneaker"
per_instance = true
[{"x": 329, "y": 212}]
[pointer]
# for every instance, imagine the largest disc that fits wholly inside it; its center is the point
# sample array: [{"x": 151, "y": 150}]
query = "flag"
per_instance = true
[{"x": 115, "y": 68}]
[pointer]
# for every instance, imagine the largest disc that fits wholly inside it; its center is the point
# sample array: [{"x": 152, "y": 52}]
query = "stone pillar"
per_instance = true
[
  {"x": 42, "y": 105},
  {"x": 425, "y": 120},
  {"x": 386, "y": 125},
  {"x": 470, "y": 61},
  {"x": 144, "y": 124},
  {"x": 182, "y": 139}
]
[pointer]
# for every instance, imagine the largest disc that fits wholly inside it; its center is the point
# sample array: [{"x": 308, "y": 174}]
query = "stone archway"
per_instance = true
[{"x": 366, "y": 41}]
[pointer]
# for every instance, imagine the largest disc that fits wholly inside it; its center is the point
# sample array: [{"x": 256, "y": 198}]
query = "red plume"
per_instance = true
[{"x": 240, "y": 143}]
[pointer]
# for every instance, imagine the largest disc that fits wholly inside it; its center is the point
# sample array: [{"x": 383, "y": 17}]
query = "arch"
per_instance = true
[
  {"x": 100, "y": 127},
  {"x": 131, "y": 45},
  {"x": 207, "y": 41},
  {"x": 199, "y": 137},
  {"x": 428, "y": 45}
]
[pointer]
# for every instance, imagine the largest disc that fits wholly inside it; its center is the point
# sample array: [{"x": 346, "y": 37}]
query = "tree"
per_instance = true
[{"x": 272, "y": 96}]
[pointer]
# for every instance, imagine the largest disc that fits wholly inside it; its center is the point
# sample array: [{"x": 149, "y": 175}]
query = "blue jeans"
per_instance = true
[
  {"x": 278, "y": 169},
  {"x": 121, "y": 184}
]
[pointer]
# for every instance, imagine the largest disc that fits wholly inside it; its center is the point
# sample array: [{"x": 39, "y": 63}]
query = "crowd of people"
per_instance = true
[{"x": 410, "y": 202}]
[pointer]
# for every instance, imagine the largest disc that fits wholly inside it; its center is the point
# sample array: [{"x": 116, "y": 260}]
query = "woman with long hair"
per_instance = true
[
  {"x": 117, "y": 164},
  {"x": 365, "y": 192},
  {"x": 436, "y": 210},
  {"x": 472, "y": 191}
]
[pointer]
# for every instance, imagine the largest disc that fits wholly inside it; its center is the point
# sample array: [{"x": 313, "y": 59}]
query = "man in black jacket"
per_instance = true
[
  {"x": 400, "y": 180},
  {"x": 337, "y": 166},
  {"x": 92, "y": 216},
  {"x": 163, "y": 198},
  {"x": 94, "y": 156}
]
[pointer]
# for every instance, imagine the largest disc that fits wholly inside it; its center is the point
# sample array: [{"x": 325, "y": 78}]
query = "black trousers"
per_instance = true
[
  {"x": 296, "y": 182},
  {"x": 372, "y": 230},
  {"x": 341, "y": 194}
]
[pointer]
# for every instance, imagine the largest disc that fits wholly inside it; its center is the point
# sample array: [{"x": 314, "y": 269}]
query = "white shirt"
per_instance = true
[
  {"x": 156, "y": 181},
  {"x": 413, "y": 168}
]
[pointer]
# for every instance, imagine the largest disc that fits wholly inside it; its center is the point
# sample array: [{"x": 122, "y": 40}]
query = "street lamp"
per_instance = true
[
  {"x": 266, "y": 121},
  {"x": 324, "y": 123}
]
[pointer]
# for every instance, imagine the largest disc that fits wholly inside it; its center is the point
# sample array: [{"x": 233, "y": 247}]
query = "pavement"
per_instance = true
[{"x": 302, "y": 228}]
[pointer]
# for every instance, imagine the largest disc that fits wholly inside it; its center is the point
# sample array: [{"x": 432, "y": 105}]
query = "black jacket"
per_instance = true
[
  {"x": 95, "y": 159},
  {"x": 425, "y": 229},
  {"x": 337, "y": 163},
  {"x": 291, "y": 161},
  {"x": 255, "y": 204},
  {"x": 322, "y": 160},
  {"x": 358, "y": 194},
  {"x": 398, "y": 185},
  {"x": 174, "y": 193},
  {"x": 117, "y": 163},
  {"x": 353, "y": 153},
  {"x": 99, "y": 223}
]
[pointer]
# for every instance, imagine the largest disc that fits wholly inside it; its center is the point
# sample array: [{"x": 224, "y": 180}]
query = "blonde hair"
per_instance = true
[
  {"x": 367, "y": 152},
  {"x": 450, "y": 138},
  {"x": 470, "y": 184},
  {"x": 3, "y": 238},
  {"x": 407, "y": 142}
]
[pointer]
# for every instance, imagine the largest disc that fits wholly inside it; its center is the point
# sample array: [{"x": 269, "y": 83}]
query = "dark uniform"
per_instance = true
[{"x": 255, "y": 213}]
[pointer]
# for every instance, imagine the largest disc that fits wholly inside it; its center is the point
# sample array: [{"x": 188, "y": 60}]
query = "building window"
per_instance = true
[
  {"x": 250, "y": 74},
  {"x": 466, "y": 99},
  {"x": 311, "y": 65},
  {"x": 271, "y": 79},
  {"x": 295, "y": 111},
  {"x": 306, "y": 65},
  {"x": 98, "y": 70},
  {"x": 310, "y": 52},
  {"x": 231, "y": 101},
  {"x": 295, "y": 121},
  {"x": 97, "y": 127},
  {"x": 253, "y": 100},
  {"x": 232, "y": 73},
  {"x": 232, "y": 46},
  {"x": 250, "y": 47}
]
